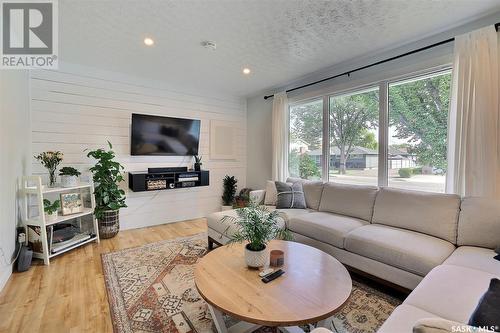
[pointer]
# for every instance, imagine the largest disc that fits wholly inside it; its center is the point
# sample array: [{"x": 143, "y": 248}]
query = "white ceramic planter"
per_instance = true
[
  {"x": 51, "y": 217},
  {"x": 256, "y": 259},
  {"x": 224, "y": 208},
  {"x": 69, "y": 181}
]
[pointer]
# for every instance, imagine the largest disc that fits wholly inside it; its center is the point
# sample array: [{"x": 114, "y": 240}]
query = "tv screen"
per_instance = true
[{"x": 164, "y": 136}]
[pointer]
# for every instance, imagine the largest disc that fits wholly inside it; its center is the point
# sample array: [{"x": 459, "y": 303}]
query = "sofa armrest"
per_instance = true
[
  {"x": 440, "y": 325},
  {"x": 257, "y": 196}
]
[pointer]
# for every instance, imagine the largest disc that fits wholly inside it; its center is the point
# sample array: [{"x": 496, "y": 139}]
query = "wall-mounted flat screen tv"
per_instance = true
[{"x": 164, "y": 136}]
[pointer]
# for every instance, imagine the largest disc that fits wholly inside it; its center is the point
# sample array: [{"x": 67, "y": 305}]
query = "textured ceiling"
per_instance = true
[{"x": 279, "y": 40}]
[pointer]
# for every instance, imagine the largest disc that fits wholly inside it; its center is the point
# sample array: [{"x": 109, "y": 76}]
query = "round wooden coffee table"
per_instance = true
[{"x": 315, "y": 285}]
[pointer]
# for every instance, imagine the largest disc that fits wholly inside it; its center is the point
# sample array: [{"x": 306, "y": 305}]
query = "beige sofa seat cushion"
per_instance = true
[
  {"x": 479, "y": 223},
  {"x": 434, "y": 214},
  {"x": 351, "y": 200},
  {"x": 325, "y": 227},
  {"x": 312, "y": 191},
  {"x": 451, "y": 292},
  {"x": 475, "y": 257},
  {"x": 403, "y": 318},
  {"x": 440, "y": 325},
  {"x": 408, "y": 250}
]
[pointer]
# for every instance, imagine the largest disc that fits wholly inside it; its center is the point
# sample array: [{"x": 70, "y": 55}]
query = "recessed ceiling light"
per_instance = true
[
  {"x": 246, "y": 71},
  {"x": 149, "y": 41}
]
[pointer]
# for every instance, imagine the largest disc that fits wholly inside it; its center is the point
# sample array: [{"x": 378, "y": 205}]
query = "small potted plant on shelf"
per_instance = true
[
  {"x": 50, "y": 160},
  {"x": 229, "y": 183},
  {"x": 256, "y": 225},
  {"x": 197, "y": 163},
  {"x": 51, "y": 210},
  {"x": 69, "y": 176},
  {"x": 109, "y": 197}
]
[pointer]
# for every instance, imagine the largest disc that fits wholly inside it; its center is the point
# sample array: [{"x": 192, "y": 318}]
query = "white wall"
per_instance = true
[
  {"x": 15, "y": 155},
  {"x": 79, "y": 108}
]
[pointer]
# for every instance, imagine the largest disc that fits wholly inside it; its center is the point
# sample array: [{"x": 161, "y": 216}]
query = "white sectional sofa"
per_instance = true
[{"x": 438, "y": 245}]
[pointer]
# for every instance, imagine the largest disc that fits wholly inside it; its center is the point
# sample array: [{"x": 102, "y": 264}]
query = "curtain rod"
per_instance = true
[{"x": 348, "y": 73}]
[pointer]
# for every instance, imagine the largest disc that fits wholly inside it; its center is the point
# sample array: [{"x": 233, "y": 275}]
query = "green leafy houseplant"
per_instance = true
[
  {"x": 107, "y": 174},
  {"x": 51, "y": 207},
  {"x": 50, "y": 160},
  {"x": 229, "y": 183},
  {"x": 69, "y": 171},
  {"x": 256, "y": 225}
]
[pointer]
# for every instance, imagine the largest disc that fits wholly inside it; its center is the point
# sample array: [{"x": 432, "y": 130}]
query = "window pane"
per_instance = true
[
  {"x": 354, "y": 138},
  {"x": 418, "y": 121},
  {"x": 306, "y": 135}
]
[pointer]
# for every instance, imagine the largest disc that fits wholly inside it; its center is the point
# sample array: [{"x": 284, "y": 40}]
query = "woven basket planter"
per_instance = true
[{"x": 109, "y": 225}]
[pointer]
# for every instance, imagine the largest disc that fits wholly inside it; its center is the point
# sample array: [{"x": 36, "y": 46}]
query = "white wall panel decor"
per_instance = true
[{"x": 73, "y": 111}]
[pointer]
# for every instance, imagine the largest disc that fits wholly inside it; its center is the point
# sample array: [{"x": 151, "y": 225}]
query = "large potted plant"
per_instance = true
[
  {"x": 69, "y": 176},
  {"x": 109, "y": 197},
  {"x": 256, "y": 225},
  {"x": 229, "y": 183},
  {"x": 50, "y": 160}
]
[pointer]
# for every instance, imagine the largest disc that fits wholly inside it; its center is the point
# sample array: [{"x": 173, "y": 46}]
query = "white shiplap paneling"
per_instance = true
[{"x": 72, "y": 111}]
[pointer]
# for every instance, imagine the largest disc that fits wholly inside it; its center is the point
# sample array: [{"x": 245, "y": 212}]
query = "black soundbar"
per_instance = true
[
  {"x": 153, "y": 181},
  {"x": 167, "y": 169}
]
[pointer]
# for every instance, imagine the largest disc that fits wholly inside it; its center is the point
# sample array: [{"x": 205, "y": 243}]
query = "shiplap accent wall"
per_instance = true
[{"x": 75, "y": 111}]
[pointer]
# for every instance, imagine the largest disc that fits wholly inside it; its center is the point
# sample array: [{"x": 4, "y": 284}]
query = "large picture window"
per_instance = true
[
  {"x": 306, "y": 136},
  {"x": 408, "y": 151},
  {"x": 354, "y": 137},
  {"x": 418, "y": 125}
]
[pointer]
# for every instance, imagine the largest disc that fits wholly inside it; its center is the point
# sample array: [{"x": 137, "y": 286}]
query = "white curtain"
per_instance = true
[
  {"x": 473, "y": 153},
  {"x": 280, "y": 137}
]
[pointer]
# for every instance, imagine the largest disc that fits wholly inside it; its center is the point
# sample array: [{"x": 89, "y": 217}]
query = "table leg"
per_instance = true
[{"x": 220, "y": 325}]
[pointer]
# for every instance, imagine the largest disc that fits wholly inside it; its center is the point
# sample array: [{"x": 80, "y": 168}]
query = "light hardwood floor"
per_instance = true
[{"x": 69, "y": 295}]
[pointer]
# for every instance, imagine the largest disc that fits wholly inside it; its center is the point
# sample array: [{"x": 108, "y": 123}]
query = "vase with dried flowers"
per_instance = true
[{"x": 50, "y": 160}]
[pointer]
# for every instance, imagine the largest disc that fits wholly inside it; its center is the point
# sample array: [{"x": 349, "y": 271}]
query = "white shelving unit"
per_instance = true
[{"x": 32, "y": 194}]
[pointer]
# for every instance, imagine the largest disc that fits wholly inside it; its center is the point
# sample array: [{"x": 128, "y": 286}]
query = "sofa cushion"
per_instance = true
[
  {"x": 313, "y": 190},
  {"x": 325, "y": 227},
  {"x": 479, "y": 223},
  {"x": 351, "y": 200},
  {"x": 434, "y": 214},
  {"x": 408, "y": 250},
  {"x": 475, "y": 257},
  {"x": 290, "y": 195},
  {"x": 440, "y": 325},
  {"x": 271, "y": 195},
  {"x": 451, "y": 292},
  {"x": 403, "y": 318}
]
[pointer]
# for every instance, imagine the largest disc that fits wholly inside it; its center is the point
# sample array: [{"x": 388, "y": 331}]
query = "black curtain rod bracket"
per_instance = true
[{"x": 348, "y": 73}]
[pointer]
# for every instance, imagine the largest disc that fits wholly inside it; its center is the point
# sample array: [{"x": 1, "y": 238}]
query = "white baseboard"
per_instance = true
[{"x": 5, "y": 274}]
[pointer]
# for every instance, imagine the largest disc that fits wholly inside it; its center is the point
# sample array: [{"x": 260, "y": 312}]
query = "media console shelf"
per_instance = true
[{"x": 166, "y": 180}]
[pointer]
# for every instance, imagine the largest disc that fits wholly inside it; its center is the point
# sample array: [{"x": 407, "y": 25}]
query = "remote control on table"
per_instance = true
[{"x": 272, "y": 276}]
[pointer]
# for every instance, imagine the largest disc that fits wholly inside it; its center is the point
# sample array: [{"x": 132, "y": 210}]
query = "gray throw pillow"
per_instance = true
[{"x": 290, "y": 195}]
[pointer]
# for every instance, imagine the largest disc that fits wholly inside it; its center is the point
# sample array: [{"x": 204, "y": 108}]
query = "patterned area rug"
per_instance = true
[{"x": 151, "y": 289}]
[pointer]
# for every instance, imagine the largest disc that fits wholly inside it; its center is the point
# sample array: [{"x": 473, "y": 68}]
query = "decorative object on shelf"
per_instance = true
[
  {"x": 197, "y": 163},
  {"x": 51, "y": 209},
  {"x": 277, "y": 258},
  {"x": 109, "y": 197},
  {"x": 243, "y": 198},
  {"x": 71, "y": 203},
  {"x": 69, "y": 176},
  {"x": 229, "y": 183},
  {"x": 256, "y": 225},
  {"x": 50, "y": 160}
]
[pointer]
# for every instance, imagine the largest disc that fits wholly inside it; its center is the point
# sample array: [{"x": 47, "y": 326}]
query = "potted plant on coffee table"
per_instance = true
[
  {"x": 69, "y": 176},
  {"x": 256, "y": 226},
  {"x": 229, "y": 183},
  {"x": 109, "y": 197},
  {"x": 51, "y": 210}
]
